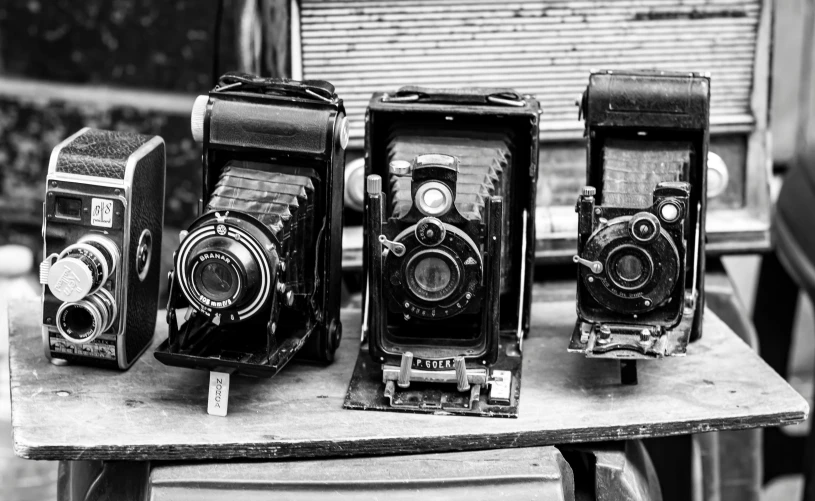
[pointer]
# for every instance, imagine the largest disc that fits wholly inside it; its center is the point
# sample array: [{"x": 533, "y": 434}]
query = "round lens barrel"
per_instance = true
[
  {"x": 216, "y": 280},
  {"x": 432, "y": 274},
  {"x": 630, "y": 267},
  {"x": 82, "y": 321},
  {"x": 82, "y": 268}
]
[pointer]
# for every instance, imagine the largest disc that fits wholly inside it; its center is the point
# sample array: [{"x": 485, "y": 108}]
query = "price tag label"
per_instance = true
[
  {"x": 218, "y": 393},
  {"x": 102, "y": 212}
]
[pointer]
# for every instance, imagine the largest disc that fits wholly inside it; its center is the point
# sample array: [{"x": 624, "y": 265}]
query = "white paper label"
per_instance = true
[
  {"x": 499, "y": 390},
  {"x": 102, "y": 212},
  {"x": 218, "y": 393}
]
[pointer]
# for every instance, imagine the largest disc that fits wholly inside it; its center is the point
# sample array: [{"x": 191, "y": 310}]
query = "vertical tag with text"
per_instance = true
[{"x": 218, "y": 393}]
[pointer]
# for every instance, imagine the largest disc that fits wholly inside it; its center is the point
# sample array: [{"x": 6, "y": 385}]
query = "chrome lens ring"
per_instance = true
[
  {"x": 83, "y": 321},
  {"x": 632, "y": 258},
  {"x": 433, "y": 198},
  {"x": 424, "y": 274},
  {"x": 108, "y": 245},
  {"x": 89, "y": 257},
  {"x": 263, "y": 262}
]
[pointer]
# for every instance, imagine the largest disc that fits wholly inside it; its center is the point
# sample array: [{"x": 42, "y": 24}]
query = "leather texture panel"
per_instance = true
[
  {"x": 99, "y": 153},
  {"x": 147, "y": 212}
]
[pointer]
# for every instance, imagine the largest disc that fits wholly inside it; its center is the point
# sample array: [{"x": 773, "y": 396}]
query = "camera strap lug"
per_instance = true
[
  {"x": 395, "y": 247},
  {"x": 45, "y": 267},
  {"x": 596, "y": 267}
]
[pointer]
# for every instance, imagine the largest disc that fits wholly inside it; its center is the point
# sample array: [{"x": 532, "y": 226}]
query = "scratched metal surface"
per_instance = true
[
  {"x": 158, "y": 412},
  {"x": 545, "y": 48}
]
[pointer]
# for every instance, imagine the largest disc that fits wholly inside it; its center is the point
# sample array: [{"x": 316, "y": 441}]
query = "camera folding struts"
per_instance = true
[
  {"x": 641, "y": 217},
  {"x": 256, "y": 268},
  {"x": 449, "y": 237}
]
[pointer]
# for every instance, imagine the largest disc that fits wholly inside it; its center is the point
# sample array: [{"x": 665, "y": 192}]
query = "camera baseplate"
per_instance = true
[{"x": 489, "y": 392}]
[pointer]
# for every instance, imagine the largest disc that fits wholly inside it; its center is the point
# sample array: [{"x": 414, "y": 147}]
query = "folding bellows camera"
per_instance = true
[
  {"x": 449, "y": 241},
  {"x": 255, "y": 269},
  {"x": 641, "y": 229}
]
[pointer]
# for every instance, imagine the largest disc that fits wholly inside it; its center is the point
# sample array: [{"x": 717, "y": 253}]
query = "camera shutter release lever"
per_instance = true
[
  {"x": 394, "y": 247},
  {"x": 595, "y": 266}
]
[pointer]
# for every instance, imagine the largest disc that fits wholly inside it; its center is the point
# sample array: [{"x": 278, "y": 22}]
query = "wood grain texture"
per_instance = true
[{"x": 156, "y": 412}]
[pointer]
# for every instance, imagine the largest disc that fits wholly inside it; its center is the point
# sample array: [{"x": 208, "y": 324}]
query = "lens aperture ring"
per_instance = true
[
  {"x": 250, "y": 278},
  {"x": 83, "y": 321}
]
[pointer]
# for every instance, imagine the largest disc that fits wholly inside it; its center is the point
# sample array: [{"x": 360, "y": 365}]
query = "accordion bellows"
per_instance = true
[
  {"x": 484, "y": 158},
  {"x": 282, "y": 202},
  {"x": 632, "y": 169}
]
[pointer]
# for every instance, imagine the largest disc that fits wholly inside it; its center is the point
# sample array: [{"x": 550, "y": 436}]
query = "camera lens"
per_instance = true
[
  {"x": 79, "y": 321},
  {"x": 216, "y": 280},
  {"x": 432, "y": 274},
  {"x": 629, "y": 267},
  {"x": 82, "y": 268},
  {"x": 224, "y": 269},
  {"x": 82, "y": 321}
]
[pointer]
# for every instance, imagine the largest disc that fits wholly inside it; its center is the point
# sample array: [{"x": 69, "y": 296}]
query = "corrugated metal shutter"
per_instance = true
[{"x": 541, "y": 48}]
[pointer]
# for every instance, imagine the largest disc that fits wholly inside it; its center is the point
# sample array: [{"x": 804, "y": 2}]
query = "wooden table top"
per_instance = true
[{"x": 155, "y": 412}]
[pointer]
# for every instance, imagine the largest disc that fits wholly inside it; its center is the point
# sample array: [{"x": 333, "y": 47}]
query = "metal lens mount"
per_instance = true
[
  {"x": 436, "y": 276},
  {"x": 227, "y": 267},
  {"x": 433, "y": 198},
  {"x": 432, "y": 274},
  {"x": 83, "y": 321},
  {"x": 217, "y": 276},
  {"x": 640, "y": 264},
  {"x": 629, "y": 267}
]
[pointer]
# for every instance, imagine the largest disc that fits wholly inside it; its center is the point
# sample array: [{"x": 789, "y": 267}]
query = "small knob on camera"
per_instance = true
[
  {"x": 589, "y": 191},
  {"x": 374, "y": 185},
  {"x": 199, "y": 112},
  {"x": 400, "y": 168}
]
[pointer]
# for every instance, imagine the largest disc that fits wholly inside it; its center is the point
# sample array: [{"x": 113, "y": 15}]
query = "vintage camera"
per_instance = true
[
  {"x": 102, "y": 220},
  {"x": 449, "y": 242},
  {"x": 641, "y": 219},
  {"x": 259, "y": 269}
]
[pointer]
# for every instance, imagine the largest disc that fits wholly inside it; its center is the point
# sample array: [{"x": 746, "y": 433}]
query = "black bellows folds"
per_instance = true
[{"x": 485, "y": 161}]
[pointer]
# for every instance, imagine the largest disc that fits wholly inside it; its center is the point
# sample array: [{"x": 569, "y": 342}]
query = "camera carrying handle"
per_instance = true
[
  {"x": 471, "y": 95},
  {"x": 246, "y": 82}
]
